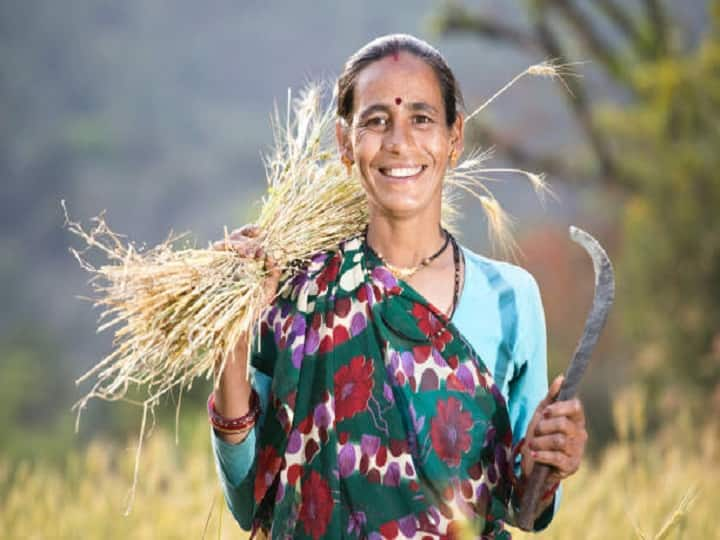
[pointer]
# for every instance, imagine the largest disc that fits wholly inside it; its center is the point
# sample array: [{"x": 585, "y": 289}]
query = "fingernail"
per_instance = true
[
  {"x": 547, "y": 413},
  {"x": 533, "y": 453}
]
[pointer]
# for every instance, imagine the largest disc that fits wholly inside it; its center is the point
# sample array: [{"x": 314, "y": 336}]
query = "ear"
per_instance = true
[
  {"x": 344, "y": 142},
  {"x": 457, "y": 134}
]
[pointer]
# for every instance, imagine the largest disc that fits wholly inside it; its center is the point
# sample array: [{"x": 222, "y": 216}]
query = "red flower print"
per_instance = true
[
  {"x": 329, "y": 273},
  {"x": 353, "y": 384},
  {"x": 431, "y": 326},
  {"x": 450, "y": 431},
  {"x": 267, "y": 468},
  {"x": 317, "y": 505}
]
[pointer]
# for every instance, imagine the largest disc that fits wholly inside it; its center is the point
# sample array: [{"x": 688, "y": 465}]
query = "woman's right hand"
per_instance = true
[
  {"x": 232, "y": 395},
  {"x": 246, "y": 242}
]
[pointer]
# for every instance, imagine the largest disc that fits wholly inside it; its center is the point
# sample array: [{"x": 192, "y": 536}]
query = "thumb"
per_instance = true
[{"x": 553, "y": 391}]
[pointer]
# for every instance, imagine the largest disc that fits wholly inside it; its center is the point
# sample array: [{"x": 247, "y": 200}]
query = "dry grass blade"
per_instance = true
[
  {"x": 679, "y": 515},
  {"x": 178, "y": 312},
  {"x": 549, "y": 68}
]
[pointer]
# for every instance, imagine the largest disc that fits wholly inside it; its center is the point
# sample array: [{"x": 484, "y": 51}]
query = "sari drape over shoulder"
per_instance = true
[{"x": 382, "y": 421}]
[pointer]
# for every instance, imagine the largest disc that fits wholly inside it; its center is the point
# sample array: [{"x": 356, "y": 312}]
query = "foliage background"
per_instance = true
[{"x": 158, "y": 112}]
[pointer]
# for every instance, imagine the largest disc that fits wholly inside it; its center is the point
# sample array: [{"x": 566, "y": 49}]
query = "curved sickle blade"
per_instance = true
[{"x": 602, "y": 301}]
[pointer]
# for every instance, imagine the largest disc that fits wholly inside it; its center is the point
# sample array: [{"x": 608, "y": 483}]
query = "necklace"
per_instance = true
[
  {"x": 405, "y": 272},
  {"x": 456, "y": 288}
]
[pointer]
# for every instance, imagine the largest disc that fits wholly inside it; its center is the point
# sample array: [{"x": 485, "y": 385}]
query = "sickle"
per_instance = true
[{"x": 603, "y": 299}]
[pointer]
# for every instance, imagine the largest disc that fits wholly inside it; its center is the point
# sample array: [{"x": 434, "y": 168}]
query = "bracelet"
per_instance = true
[
  {"x": 550, "y": 491},
  {"x": 234, "y": 425},
  {"x": 518, "y": 485}
]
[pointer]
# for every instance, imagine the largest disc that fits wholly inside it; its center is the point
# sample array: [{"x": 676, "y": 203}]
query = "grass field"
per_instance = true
[{"x": 630, "y": 491}]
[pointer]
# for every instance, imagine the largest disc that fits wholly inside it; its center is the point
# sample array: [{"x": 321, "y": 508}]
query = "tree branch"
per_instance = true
[
  {"x": 591, "y": 39},
  {"x": 624, "y": 22},
  {"x": 656, "y": 14},
  {"x": 455, "y": 18},
  {"x": 579, "y": 103}
]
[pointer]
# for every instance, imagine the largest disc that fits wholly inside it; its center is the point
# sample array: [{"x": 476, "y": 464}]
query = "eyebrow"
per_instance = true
[{"x": 382, "y": 107}]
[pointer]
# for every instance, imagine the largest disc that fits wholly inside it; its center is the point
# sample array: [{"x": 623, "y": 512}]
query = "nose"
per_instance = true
[{"x": 398, "y": 137}]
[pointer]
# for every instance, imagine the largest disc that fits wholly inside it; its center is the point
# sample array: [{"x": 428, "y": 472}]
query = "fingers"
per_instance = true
[
  {"x": 243, "y": 241},
  {"x": 558, "y": 424},
  {"x": 249, "y": 231},
  {"x": 555, "y": 441},
  {"x": 557, "y": 435},
  {"x": 572, "y": 409},
  {"x": 564, "y": 465},
  {"x": 244, "y": 248}
]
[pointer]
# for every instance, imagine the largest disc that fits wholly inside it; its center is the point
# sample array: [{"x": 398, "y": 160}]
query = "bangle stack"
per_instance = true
[
  {"x": 519, "y": 483},
  {"x": 240, "y": 424}
]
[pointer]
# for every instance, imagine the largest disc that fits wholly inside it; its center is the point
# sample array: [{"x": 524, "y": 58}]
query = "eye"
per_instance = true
[
  {"x": 422, "y": 119},
  {"x": 376, "y": 122}
]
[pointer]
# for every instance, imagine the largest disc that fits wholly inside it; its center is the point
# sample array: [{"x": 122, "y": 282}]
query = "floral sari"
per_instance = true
[{"x": 382, "y": 421}]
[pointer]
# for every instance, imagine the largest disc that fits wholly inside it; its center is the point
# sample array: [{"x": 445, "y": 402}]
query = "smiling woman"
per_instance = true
[{"x": 399, "y": 382}]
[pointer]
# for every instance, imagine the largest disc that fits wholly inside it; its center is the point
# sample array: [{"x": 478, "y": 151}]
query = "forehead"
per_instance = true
[{"x": 405, "y": 76}]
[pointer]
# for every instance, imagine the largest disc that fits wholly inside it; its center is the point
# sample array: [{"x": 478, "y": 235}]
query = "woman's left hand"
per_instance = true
[{"x": 556, "y": 435}]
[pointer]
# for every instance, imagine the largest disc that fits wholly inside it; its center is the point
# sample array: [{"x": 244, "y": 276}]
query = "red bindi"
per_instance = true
[
  {"x": 396, "y": 55},
  {"x": 398, "y": 101}
]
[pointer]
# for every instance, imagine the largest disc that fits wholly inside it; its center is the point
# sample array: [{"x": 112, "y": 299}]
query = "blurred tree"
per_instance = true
[{"x": 656, "y": 151}]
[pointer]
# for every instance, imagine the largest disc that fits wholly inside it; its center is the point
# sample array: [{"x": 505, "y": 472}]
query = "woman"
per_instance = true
[{"x": 399, "y": 384}]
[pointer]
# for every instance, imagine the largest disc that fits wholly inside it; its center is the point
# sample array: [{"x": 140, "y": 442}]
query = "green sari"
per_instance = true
[{"x": 382, "y": 420}]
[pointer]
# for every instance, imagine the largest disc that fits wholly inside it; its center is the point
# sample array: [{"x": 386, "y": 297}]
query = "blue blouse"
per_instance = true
[{"x": 500, "y": 313}]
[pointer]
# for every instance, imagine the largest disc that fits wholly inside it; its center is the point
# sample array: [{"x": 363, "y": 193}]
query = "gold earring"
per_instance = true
[
  {"x": 348, "y": 164},
  {"x": 453, "y": 158}
]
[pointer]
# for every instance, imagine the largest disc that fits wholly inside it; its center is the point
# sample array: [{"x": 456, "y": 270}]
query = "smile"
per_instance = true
[{"x": 402, "y": 172}]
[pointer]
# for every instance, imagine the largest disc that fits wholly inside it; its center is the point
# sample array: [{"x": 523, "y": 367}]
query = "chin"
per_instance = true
[{"x": 401, "y": 207}]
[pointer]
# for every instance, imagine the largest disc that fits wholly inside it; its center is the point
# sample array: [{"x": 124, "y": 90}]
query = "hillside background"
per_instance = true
[{"x": 158, "y": 113}]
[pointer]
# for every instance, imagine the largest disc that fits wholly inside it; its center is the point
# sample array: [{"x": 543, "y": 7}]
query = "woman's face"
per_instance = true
[{"x": 399, "y": 138}]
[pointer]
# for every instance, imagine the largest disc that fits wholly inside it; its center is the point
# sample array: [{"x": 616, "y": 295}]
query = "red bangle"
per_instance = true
[
  {"x": 519, "y": 486},
  {"x": 550, "y": 491},
  {"x": 234, "y": 425}
]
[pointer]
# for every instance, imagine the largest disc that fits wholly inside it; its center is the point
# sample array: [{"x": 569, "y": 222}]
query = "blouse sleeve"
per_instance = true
[
  {"x": 529, "y": 384},
  {"x": 235, "y": 463}
]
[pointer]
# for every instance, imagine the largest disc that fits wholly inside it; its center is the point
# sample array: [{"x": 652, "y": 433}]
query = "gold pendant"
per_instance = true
[{"x": 402, "y": 273}]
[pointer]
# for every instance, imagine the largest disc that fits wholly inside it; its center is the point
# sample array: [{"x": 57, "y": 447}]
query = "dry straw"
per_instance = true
[{"x": 177, "y": 310}]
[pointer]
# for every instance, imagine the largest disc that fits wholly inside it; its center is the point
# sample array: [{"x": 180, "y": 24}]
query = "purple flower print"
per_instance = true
[
  {"x": 297, "y": 356},
  {"x": 357, "y": 324},
  {"x": 384, "y": 276},
  {"x": 356, "y": 522},
  {"x": 369, "y": 444},
  {"x": 408, "y": 526},
  {"x": 312, "y": 341},
  {"x": 408, "y": 363},
  {"x": 388, "y": 393},
  {"x": 294, "y": 442},
  {"x": 465, "y": 377},
  {"x": 298, "y": 325},
  {"x": 346, "y": 461},
  {"x": 321, "y": 416},
  {"x": 392, "y": 475}
]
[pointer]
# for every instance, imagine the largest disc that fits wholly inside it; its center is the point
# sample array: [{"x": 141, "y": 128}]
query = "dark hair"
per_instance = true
[{"x": 392, "y": 44}]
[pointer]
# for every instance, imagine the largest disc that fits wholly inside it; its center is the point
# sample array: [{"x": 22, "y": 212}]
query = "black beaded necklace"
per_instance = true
[
  {"x": 458, "y": 270},
  {"x": 457, "y": 254},
  {"x": 405, "y": 273}
]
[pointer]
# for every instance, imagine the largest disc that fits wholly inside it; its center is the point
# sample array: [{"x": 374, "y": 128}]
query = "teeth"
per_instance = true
[{"x": 402, "y": 173}]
